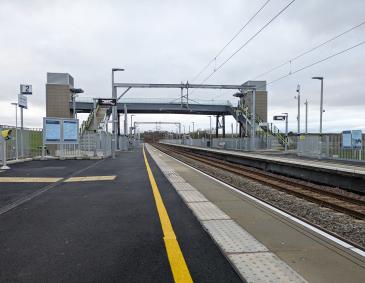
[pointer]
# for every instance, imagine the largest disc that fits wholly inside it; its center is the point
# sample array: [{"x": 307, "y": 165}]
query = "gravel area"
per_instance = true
[{"x": 341, "y": 224}]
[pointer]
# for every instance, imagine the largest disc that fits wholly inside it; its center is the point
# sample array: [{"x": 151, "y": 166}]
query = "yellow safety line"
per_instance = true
[
  {"x": 29, "y": 180},
  {"x": 178, "y": 265},
  {"x": 90, "y": 178}
]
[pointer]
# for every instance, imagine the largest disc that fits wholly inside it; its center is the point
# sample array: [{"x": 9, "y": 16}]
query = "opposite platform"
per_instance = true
[{"x": 347, "y": 176}]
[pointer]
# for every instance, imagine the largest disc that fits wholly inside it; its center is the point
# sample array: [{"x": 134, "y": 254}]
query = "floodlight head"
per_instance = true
[
  {"x": 238, "y": 94},
  {"x": 117, "y": 69},
  {"x": 76, "y": 90},
  {"x": 317, "y": 78},
  {"x": 298, "y": 88}
]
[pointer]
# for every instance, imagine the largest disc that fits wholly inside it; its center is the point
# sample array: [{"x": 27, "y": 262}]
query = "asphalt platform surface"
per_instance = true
[{"x": 99, "y": 231}]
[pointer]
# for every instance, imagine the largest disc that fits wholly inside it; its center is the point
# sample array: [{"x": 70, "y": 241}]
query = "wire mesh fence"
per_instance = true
[
  {"x": 26, "y": 142},
  {"x": 328, "y": 146}
]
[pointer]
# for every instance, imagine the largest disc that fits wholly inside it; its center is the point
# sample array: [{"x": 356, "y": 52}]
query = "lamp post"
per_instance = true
[
  {"x": 16, "y": 129},
  {"x": 306, "y": 116},
  {"x": 286, "y": 130},
  {"x": 193, "y": 127},
  {"x": 114, "y": 113},
  {"x": 132, "y": 122},
  {"x": 321, "y": 104},
  {"x": 298, "y": 98},
  {"x": 210, "y": 130}
]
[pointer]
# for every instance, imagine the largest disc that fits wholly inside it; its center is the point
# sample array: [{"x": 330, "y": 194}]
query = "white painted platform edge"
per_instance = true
[{"x": 294, "y": 219}]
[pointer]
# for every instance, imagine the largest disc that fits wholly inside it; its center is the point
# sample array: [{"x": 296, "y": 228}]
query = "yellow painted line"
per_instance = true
[
  {"x": 29, "y": 179},
  {"x": 178, "y": 265},
  {"x": 91, "y": 178}
]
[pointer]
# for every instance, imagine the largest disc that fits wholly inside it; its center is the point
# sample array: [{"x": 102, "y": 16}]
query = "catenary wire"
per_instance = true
[
  {"x": 310, "y": 65},
  {"x": 230, "y": 41},
  {"x": 309, "y": 50},
  {"x": 248, "y": 41}
]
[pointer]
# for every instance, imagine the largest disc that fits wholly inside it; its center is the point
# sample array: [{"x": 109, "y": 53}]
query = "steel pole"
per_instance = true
[
  {"x": 253, "y": 123},
  {"x": 74, "y": 105},
  {"x": 21, "y": 133},
  {"x": 306, "y": 116},
  {"x": 286, "y": 131},
  {"x": 125, "y": 120},
  {"x": 210, "y": 130},
  {"x": 298, "y": 117},
  {"x": 16, "y": 132},
  {"x": 114, "y": 118},
  {"x": 321, "y": 109}
]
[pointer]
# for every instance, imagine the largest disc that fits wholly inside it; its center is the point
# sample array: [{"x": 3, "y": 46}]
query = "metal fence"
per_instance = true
[
  {"x": 243, "y": 144},
  {"x": 90, "y": 145},
  {"x": 328, "y": 146},
  {"x": 26, "y": 142}
]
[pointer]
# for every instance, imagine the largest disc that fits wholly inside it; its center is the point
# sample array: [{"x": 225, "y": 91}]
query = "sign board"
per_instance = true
[
  {"x": 52, "y": 131},
  {"x": 346, "y": 139},
  {"x": 60, "y": 131},
  {"x": 26, "y": 89},
  {"x": 70, "y": 130},
  {"x": 22, "y": 101},
  {"x": 356, "y": 138},
  {"x": 279, "y": 118},
  {"x": 107, "y": 101}
]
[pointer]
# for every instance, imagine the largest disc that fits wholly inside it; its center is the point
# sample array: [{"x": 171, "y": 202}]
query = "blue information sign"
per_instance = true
[
  {"x": 70, "y": 131},
  {"x": 52, "y": 131},
  {"x": 356, "y": 137}
]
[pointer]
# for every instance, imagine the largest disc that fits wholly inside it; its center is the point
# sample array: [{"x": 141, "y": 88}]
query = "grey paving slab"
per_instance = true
[
  {"x": 232, "y": 238},
  {"x": 264, "y": 268},
  {"x": 207, "y": 211},
  {"x": 192, "y": 196}
]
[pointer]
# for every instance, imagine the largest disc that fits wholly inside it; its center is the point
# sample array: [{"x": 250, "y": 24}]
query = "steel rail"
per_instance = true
[{"x": 350, "y": 206}]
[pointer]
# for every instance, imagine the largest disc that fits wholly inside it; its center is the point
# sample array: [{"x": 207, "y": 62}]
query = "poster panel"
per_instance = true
[
  {"x": 52, "y": 131},
  {"x": 70, "y": 131},
  {"x": 356, "y": 136}
]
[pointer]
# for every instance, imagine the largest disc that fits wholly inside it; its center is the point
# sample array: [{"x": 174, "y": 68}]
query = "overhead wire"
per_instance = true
[
  {"x": 310, "y": 65},
  {"x": 317, "y": 62},
  {"x": 230, "y": 41},
  {"x": 310, "y": 50},
  {"x": 248, "y": 41}
]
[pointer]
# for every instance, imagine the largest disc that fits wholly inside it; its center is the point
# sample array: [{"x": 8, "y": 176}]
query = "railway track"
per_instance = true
[{"x": 308, "y": 191}]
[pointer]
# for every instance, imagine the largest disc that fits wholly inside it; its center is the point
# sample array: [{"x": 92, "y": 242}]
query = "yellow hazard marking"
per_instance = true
[
  {"x": 178, "y": 265},
  {"x": 90, "y": 178},
  {"x": 29, "y": 179}
]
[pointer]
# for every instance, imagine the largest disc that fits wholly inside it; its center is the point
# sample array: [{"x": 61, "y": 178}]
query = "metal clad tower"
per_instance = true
[{"x": 58, "y": 95}]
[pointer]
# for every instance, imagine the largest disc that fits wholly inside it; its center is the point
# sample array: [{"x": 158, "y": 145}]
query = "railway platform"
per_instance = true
[
  {"x": 314, "y": 255},
  {"x": 333, "y": 173},
  {"x": 146, "y": 217}
]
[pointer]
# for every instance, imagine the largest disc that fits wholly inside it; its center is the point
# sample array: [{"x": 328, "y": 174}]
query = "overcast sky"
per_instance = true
[{"x": 165, "y": 41}]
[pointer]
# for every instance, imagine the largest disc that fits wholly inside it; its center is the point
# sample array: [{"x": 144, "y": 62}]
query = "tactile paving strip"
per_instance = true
[
  {"x": 264, "y": 267},
  {"x": 232, "y": 238},
  {"x": 207, "y": 211},
  {"x": 192, "y": 196},
  {"x": 184, "y": 187},
  {"x": 175, "y": 178}
]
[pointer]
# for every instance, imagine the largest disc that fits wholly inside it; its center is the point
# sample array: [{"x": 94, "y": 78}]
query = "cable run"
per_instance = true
[
  {"x": 230, "y": 41},
  {"x": 310, "y": 65},
  {"x": 248, "y": 41},
  {"x": 317, "y": 62},
  {"x": 310, "y": 50}
]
